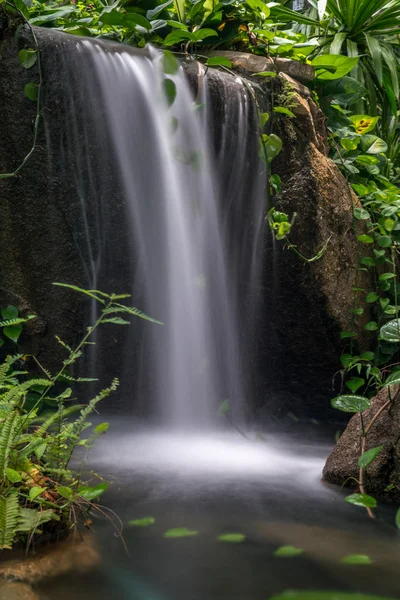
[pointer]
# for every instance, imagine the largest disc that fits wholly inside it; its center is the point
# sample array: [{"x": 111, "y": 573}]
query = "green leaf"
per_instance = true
[
  {"x": 372, "y": 144},
  {"x": 333, "y": 66},
  {"x": 170, "y": 64},
  {"x": 364, "y": 123},
  {"x": 368, "y": 356},
  {"x": 169, "y": 91},
  {"x": 9, "y": 513},
  {"x": 65, "y": 492},
  {"x": 145, "y": 522},
  {"x": 202, "y": 34},
  {"x": 365, "y": 239},
  {"x": 102, "y": 428},
  {"x": 90, "y": 493},
  {"x": 349, "y": 144},
  {"x": 390, "y": 332},
  {"x": 384, "y": 241},
  {"x": 386, "y": 276},
  {"x": 350, "y": 403},
  {"x": 355, "y": 383},
  {"x": 372, "y": 297},
  {"x": 347, "y": 334},
  {"x": 259, "y": 6},
  {"x": 27, "y": 58},
  {"x": 392, "y": 379},
  {"x": 31, "y": 91},
  {"x": 180, "y": 532},
  {"x": 356, "y": 559},
  {"x": 367, "y": 457},
  {"x": 265, "y": 74},
  {"x": 361, "y": 214},
  {"x": 92, "y": 293},
  {"x": 272, "y": 145},
  {"x": 361, "y": 500},
  {"x": 13, "y": 476},
  {"x": 231, "y": 538},
  {"x": 219, "y": 61},
  {"x": 9, "y": 313},
  {"x": 371, "y": 326},
  {"x": 288, "y": 551},
  {"x": 35, "y": 491},
  {"x": 397, "y": 520},
  {"x": 284, "y": 111},
  {"x": 360, "y": 189},
  {"x": 177, "y": 37},
  {"x": 30, "y": 519},
  {"x": 325, "y": 595},
  {"x": 13, "y": 332},
  {"x": 115, "y": 321},
  {"x": 22, "y": 8}
]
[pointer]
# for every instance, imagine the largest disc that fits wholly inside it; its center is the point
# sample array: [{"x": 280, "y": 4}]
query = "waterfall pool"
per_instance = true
[{"x": 267, "y": 489}]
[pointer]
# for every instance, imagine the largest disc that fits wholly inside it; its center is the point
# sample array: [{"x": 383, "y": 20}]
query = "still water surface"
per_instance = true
[{"x": 268, "y": 489}]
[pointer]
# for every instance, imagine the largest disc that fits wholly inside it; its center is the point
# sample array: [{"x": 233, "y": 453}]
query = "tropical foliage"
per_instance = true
[{"x": 42, "y": 424}]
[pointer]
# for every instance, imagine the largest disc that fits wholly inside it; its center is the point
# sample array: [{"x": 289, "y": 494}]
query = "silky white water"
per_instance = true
[{"x": 194, "y": 215}]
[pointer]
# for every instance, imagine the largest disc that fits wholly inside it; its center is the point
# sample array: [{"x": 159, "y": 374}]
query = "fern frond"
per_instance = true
[
  {"x": 56, "y": 416},
  {"x": 18, "y": 390},
  {"x": 68, "y": 377},
  {"x": 10, "y": 429},
  {"x": 75, "y": 288},
  {"x": 30, "y": 519},
  {"x": 131, "y": 310},
  {"x": 80, "y": 423},
  {"x": 63, "y": 344},
  {"x": 16, "y": 321},
  {"x": 9, "y": 513},
  {"x": 5, "y": 367}
]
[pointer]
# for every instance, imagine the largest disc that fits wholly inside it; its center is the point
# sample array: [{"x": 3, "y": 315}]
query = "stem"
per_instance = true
[{"x": 361, "y": 477}]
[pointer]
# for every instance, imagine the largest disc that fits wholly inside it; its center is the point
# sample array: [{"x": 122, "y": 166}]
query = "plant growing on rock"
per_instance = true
[{"x": 40, "y": 492}]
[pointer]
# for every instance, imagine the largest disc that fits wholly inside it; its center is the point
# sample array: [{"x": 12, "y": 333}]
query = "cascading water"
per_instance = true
[{"x": 194, "y": 218}]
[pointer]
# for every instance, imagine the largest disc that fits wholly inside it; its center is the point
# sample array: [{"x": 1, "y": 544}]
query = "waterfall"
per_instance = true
[{"x": 184, "y": 166}]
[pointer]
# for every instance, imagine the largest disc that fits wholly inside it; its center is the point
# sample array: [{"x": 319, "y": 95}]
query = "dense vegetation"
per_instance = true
[{"x": 354, "y": 48}]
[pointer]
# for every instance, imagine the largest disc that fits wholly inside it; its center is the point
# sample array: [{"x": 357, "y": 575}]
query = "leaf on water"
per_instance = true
[
  {"x": 361, "y": 500},
  {"x": 288, "y": 551},
  {"x": 232, "y": 538},
  {"x": 180, "y": 532},
  {"x": 367, "y": 457},
  {"x": 325, "y": 595},
  {"x": 356, "y": 559},
  {"x": 145, "y": 522}
]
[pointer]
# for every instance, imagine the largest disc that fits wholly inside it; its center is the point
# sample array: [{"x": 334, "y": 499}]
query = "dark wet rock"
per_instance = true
[
  {"x": 382, "y": 476},
  {"x": 51, "y": 209}
]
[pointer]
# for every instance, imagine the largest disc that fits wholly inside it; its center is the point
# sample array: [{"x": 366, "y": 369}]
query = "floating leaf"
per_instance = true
[
  {"x": 288, "y": 551},
  {"x": 356, "y": 559},
  {"x": 367, "y": 457},
  {"x": 361, "y": 500},
  {"x": 350, "y": 403},
  {"x": 325, "y": 595},
  {"x": 180, "y": 532},
  {"x": 232, "y": 538},
  {"x": 145, "y": 522}
]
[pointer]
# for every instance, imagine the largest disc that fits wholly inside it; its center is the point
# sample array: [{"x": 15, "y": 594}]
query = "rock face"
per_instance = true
[
  {"x": 383, "y": 474},
  {"x": 16, "y": 591},
  {"x": 45, "y": 229}
]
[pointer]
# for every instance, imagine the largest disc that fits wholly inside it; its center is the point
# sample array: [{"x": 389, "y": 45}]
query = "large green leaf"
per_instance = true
[
  {"x": 390, "y": 332},
  {"x": 9, "y": 513},
  {"x": 361, "y": 500},
  {"x": 333, "y": 66},
  {"x": 350, "y": 403},
  {"x": 367, "y": 457},
  {"x": 372, "y": 144}
]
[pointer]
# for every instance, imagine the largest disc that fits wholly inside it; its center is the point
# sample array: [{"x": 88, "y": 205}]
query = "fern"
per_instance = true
[
  {"x": 9, "y": 431},
  {"x": 131, "y": 310},
  {"x": 30, "y": 519},
  {"x": 5, "y": 367},
  {"x": 9, "y": 513},
  {"x": 18, "y": 390},
  {"x": 55, "y": 416}
]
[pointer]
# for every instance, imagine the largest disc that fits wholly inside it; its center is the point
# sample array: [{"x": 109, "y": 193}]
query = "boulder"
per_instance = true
[
  {"x": 10, "y": 590},
  {"x": 382, "y": 476}
]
